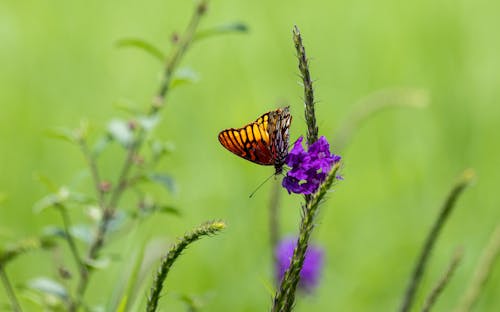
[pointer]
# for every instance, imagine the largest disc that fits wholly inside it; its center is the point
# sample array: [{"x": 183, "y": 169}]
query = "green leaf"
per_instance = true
[
  {"x": 192, "y": 303},
  {"x": 12, "y": 251},
  {"x": 120, "y": 131},
  {"x": 127, "y": 106},
  {"x": 62, "y": 197},
  {"x": 117, "y": 222},
  {"x": 149, "y": 122},
  {"x": 48, "y": 286},
  {"x": 232, "y": 27},
  {"x": 98, "y": 264},
  {"x": 165, "y": 180},
  {"x": 100, "y": 145},
  {"x": 169, "y": 210},
  {"x": 53, "y": 231},
  {"x": 51, "y": 200},
  {"x": 184, "y": 76},
  {"x": 127, "y": 290},
  {"x": 142, "y": 45},
  {"x": 160, "y": 149},
  {"x": 46, "y": 181},
  {"x": 61, "y": 133},
  {"x": 82, "y": 232}
]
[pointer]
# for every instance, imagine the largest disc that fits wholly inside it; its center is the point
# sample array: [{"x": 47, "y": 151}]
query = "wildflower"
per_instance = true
[
  {"x": 311, "y": 270},
  {"x": 308, "y": 169}
]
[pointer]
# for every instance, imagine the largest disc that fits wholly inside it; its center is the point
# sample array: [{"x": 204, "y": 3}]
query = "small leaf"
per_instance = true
[
  {"x": 100, "y": 145},
  {"x": 122, "y": 304},
  {"x": 99, "y": 264},
  {"x": 142, "y": 45},
  {"x": 121, "y": 132},
  {"x": 53, "y": 231},
  {"x": 82, "y": 232},
  {"x": 61, "y": 133},
  {"x": 48, "y": 286},
  {"x": 149, "y": 122},
  {"x": 184, "y": 76},
  {"x": 46, "y": 181},
  {"x": 82, "y": 132},
  {"x": 160, "y": 147},
  {"x": 169, "y": 210},
  {"x": 80, "y": 198},
  {"x": 11, "y": 251},
  {"x": 163, "y": 179},
  {"x": 51, "y": 200},
  {"x": 233, "y": 27},
  {"x": 127, "y": 106},
  {"x": 60, "y": 198},
  {"x": 117, "y": 221}
]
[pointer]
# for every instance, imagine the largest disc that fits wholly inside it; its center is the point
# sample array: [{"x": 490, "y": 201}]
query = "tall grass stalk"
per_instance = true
[{"x": 465, "y": 180}]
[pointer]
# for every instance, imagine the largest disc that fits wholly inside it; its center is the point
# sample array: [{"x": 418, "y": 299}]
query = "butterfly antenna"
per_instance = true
[{"x": 260, "y": 185}]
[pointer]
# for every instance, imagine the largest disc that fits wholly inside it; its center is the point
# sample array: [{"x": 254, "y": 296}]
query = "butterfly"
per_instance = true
[{"x": 264, "y": 141}]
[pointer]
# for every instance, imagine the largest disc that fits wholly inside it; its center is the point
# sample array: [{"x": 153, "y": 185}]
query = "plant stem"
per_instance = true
[
  {"x": 168, "y": 260},
  {"x": 69, "y": 237},
  {"x": 438, "y": 289},
  {"x": 71, "y": 242},
  {"x": 312, "y": 128},
  {"x": 10, "y": 291},
  {"x": 109, "y": 209},
  {"x": 94, "y": 171},
  {"x": 177, "y": 54},
  {"x": 285, "y": 296},
  {"x": 466, "y": 178},
  {"x": 274, "y": 220},
  {"x": 481, "y": 273}
]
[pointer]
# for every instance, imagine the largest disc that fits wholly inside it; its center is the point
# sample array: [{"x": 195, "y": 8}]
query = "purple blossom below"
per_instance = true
[
  {"x": 308, "y": 169},
  {"x": 311, "y": 269}
]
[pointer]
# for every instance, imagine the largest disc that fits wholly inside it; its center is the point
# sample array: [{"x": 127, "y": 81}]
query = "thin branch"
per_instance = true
[
  {"x": 274, "y": 220},
  {"x": 466, "y": 178},
  {"x": 69, "y": 238},
  {"x": 16, "y": 307},
  {"x": 94, "y": 171},
  {"x": 82, "y": 267},
  {"x": 285, "y": 296},
  {"x": 208, "y": 228},
  {"x": 439, "y": 287},
  {"x": 177, "y": 54},
  {"x": 109, "y": 210},
  {"x": 481, "y": 273}
]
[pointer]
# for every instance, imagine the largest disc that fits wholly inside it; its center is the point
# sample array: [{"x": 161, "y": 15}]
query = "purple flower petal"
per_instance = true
[
  {"x": 308, "y": 169},
  {"x": 311, "y": 269}
]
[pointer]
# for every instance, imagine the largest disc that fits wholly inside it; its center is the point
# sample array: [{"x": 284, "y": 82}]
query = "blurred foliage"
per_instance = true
[{"x": 60, "y": 65}]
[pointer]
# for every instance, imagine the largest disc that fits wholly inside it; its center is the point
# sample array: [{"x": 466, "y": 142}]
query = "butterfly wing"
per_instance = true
[
  {"x": 278, "y": 128},
  {"x": 251, "y": 142}
]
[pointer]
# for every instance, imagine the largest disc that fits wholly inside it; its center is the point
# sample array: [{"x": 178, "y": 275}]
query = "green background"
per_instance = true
[{"x": 59, "y": 65}]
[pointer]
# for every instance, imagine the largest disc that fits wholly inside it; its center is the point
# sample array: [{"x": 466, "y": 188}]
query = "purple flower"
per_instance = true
[
  {"x": 311, "y": 270},
  {"x": 308, "y": 169}
]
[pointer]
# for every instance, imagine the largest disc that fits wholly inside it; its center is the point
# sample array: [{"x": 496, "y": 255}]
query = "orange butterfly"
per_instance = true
[{"x": 264, "y": 141}]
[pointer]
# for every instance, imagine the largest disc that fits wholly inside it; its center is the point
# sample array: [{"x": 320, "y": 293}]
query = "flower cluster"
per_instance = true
[
  {"x": 311, "y": 270},
  {"x": 308, "y": 169}
]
